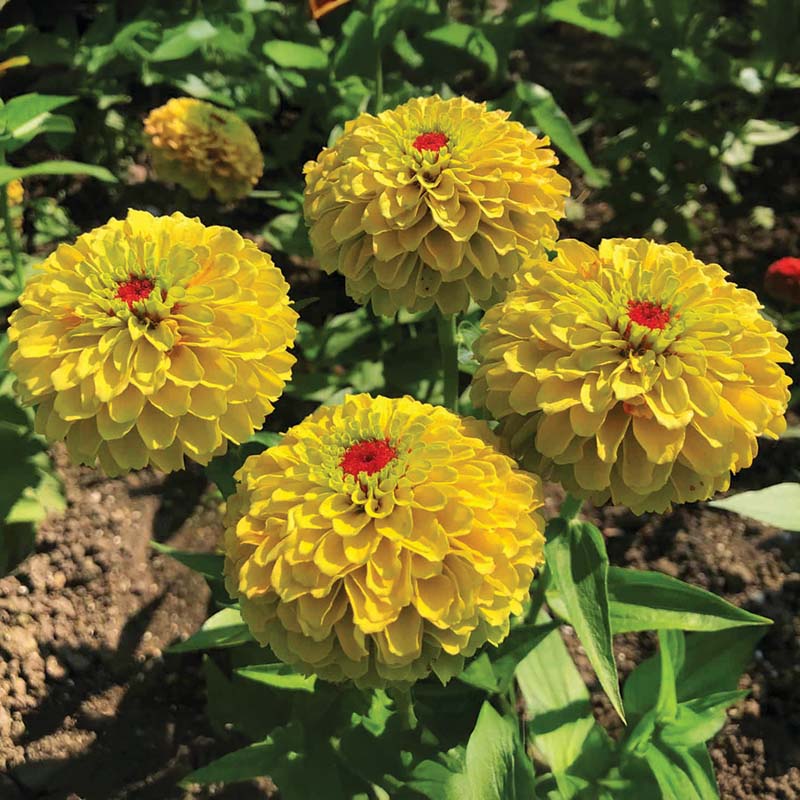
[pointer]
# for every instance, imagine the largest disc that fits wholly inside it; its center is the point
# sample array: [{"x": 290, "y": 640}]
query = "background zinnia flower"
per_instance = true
[
  {"x": 15, "y": 192},
  {"x": 635, "y": 372},
  {"x": 203, "y": 148},
  {"x": 151, "y": 339},
  {"x": 435, "y": 201},
  {"x": 782, "y": 280},
  {"x": 382, "y": 539}
]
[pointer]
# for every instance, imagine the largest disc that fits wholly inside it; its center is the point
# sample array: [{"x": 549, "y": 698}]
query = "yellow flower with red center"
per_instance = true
[
  {"x": 436, "y": 201},
  {"x": 634, "y": 372},
  {"x": 382, "y": 539},
  {"x": 152, "y": 339},
  {"x": 203, "y": 148}
]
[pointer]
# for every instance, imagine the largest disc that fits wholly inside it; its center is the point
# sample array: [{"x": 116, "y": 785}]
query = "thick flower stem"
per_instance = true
[
  {"x": 404, "y": 703},
  {"x": 449, "y": 350},
  {"x": 10, "y": 237}
]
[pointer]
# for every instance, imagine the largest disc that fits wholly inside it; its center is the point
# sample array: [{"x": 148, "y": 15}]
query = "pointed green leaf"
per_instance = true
[
  {"x": 281, "y": 676},
  {"x": 777, "y": 505},
  {"x": 209, "y": 565},
  {"x": 641, "y": 601},
  {"x": 579, "y": 563},
  {"x": 225, "y": 629},
  {"x": 55, "y": 168}
]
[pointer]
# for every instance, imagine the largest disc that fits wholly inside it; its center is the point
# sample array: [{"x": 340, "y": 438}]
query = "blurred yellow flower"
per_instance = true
[
  {"x": 380, "y": 540},
  {"x": 634, "y": 372},
  {"x": 203, "y": 148},
  {"x": 435, "y": 201},
  {"x": 15, "y": 192},
  {"x": 152, "y": 339}
]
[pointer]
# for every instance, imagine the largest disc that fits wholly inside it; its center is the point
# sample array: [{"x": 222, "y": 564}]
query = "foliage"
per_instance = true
[{"x": 702, "y": 91}]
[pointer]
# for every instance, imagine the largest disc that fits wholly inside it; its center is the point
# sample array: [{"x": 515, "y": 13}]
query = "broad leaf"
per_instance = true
[
  {"x": 280, "y": 676},
  {"x": 589, "y": 16},
  {"x": 184, "y": 40},
  {"x": 291, "y": 55},
  {"x": 540, "y": 104},
  {"x": 556, "y": 700},
  {"x": 466, "y": 39},
  {"x": 225, "y": 629},
  {"x": 641, "y": 601},
  {"x": 497, "y": 767},
  {"x": 8, "y": 173},
  {"x": 209, "y": 565},
  {"x": 579, "y": 564},
  {"x": 777, "y": 505}
]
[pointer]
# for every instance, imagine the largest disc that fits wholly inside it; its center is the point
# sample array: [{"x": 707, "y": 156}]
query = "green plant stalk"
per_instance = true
[
  {"x": 379, "y": 85},
  {"x": 8, "y": 226},
  {"x": 449, "y": 350},
  {"x": 404, "y": 703},
  {"x": 571, "y": 507}
]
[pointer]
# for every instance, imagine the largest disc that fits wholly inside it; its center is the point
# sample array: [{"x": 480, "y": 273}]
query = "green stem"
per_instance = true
[
  {"x": 449, "y": 350},
  {"x": 379, "y": 84},
  {"x": 404, "y": 703},
  {"x": 8, "y": 225},
  {"x": 571, "y": 507}
]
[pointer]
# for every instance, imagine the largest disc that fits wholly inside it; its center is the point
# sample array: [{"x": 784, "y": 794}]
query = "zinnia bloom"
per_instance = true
[
  {"x": 380, "y": 540},
  {"x": 203, "y": 148},
  {"x": 151, "y": 339},
  {"x": 436, "y": 201},
  {"x": 635, "y": 372},
  {"x": 782, "y": 280}
]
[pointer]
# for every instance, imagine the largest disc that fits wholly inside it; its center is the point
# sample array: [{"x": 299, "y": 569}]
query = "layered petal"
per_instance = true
[
  {"x": 384, "y": 538},
  {"x": 151, "y": 339},
  {"x": 634, "y": 372},
  {"x": 434, "y": 202}
]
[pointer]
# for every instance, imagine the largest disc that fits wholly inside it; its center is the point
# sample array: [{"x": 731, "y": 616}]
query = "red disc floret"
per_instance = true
[
  {"x": 432, "y": 140},
  {"x": 651, "y": 315},
  {"x": 369, "y": 456},
  {"x": 134, "y": 289},
  {"x": 782, "y": 280}
]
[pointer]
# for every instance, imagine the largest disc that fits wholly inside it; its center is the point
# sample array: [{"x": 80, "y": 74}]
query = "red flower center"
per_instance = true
[
  {"x": 134, "y": 289},
  {"x": 649, "y": 314},
  {"x": 432, "y": 140},
  {"x": 370, "y": 456}
]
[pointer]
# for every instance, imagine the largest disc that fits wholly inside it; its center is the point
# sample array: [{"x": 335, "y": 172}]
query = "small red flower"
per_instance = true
[{"x": 782, "y": 280}]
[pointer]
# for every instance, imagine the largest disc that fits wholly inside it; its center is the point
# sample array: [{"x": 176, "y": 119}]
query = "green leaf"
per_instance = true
[
  {"x": 225, "y": 629},
  {"x": 760, "y": 132},
  {"x": 8, "y": 173},
  {"x": 281, "y": 676},
  {"x": 497, "y": 767},
  {"x": 466, "y": 39},
  {"x": 250, "y": 762},
  {"x": 699, "y": 720},
  {"x": 184, "y": 40},
  {"x": 777, "y": 505},
  {"x": 556, "y": 700},
  {"x": 679, "y": 774},
  {"x": 711, "y": 663},
  {"x": 540, "y": 104},
  {"x": 641, "y": 601},
  {"x": 588, "y": 16},
  {"x": 209, "y": 565},
  {"x": 291, "y": 55},
  {"x": 28, "y": 115},
  {"x": 579, "y": 563},
  {"x": 670, "y": 651}
]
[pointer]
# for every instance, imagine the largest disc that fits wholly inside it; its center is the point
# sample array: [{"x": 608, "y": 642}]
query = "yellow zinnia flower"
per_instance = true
[
  {"x": 380, "y": 540},
  {"x": 151, "y": 339},
  {"x": 203, "y": 148},
  {"x": 433, "y": 202},
  {"x": 635, "y": 372}
]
